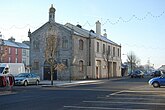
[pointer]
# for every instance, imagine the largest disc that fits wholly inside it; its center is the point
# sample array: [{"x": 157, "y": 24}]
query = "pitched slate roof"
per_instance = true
[
  {"x": 15, "y": 44},
  {"x": 88, "y": 34},
  {"x": 22, "y": 45},
  {"x": 9, "y": 43}
]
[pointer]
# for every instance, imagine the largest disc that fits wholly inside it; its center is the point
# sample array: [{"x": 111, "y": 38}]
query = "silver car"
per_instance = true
[{"x": 26, "y": 79}]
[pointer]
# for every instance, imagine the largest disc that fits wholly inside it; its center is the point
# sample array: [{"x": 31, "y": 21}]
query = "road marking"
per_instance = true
[
  {"x": 101, "y": 108},
  {"x": 145, "y": 91},
  {"x": 117, "y": 92},
  {"x": 124, "y": 98},
  {"x": 147, "y": 95},
  {"x": 124, "y": 92},
  {"x": 139, "y": 103}
]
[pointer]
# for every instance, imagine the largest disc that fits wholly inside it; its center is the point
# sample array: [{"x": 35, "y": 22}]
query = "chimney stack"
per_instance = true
[
  {"x": 105, "y": 34},
  {"x": 98, "y": 28}
]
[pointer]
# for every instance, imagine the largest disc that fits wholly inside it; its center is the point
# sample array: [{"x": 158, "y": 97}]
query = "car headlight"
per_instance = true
[{"x": 150, "y": 81}]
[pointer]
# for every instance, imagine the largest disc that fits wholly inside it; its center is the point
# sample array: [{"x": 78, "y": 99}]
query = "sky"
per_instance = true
[{"x": 136, "y": 25}]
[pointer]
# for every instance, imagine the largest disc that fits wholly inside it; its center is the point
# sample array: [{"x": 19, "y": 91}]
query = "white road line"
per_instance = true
[
  {"x": 152, "y": 93},
  {"x": 117, "y": 92},
  {"x": 125, "y": 98},
  {"x": 136, "y": 103},
  {"x": 147, "y": 95},
  {"x": 101, "y": 108},
  {"x": 145, "y": 91}
]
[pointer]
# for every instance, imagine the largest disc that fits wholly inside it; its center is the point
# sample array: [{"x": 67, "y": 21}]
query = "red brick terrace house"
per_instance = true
[{"x": 14, "y": 52}]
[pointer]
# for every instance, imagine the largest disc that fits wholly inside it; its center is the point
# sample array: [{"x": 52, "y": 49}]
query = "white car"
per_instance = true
[{"x": 26, "y": 79}]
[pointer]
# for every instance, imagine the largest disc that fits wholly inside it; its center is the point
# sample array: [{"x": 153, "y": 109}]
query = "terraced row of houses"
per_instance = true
[{"x": 14, "y": 52}]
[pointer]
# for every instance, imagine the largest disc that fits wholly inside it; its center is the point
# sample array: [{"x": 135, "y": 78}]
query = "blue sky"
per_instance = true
[{"x": 145, "y": 37}]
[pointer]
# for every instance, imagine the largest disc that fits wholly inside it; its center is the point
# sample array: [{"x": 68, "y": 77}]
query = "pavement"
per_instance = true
[
  {"x": 57, "y": 83},
  {"x": 47, "y": 83}
]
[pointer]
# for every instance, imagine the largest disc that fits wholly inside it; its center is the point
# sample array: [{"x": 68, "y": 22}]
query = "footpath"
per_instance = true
[{"x": 46, "y": 83}]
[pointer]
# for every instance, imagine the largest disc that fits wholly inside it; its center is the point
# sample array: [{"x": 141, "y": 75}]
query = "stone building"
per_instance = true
[{"x": 86, "y": 54}]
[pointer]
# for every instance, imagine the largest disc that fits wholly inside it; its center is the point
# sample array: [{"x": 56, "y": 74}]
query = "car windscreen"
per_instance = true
[{"x": 22, "y": 75}]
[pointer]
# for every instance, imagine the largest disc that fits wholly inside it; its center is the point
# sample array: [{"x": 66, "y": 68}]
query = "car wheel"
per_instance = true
[
  {"x": 155, "y": 84},
  {"x": 25, "y": 83},
  {"x": 37, "y": 82}
]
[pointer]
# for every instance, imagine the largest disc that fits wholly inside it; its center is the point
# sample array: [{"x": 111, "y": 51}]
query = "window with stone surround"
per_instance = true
[
  {"x": 114, "y": 51},
  {"x": 81, "y": 44},
  {"x": 36, "y": 44},
  {"x": 36, "y": 65},
  {"x": 118, "y": 52},
  {"x": 81, "y": 66},
  {"x": 97, "y": 46},
  {"x": 65, "y": 62},
  {"x": 103, "y": 48},
  {"x": 64, "y": 42},
  {"x": 109, "y": 50}
]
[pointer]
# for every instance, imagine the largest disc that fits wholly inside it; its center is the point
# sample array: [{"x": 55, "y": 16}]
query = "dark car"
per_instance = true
[
  {"x": 157, "y": 81},
  {"x": 26, "y": 79},
  {"x": 137, "y": 74},
  {"x": 157, "y": 73}
]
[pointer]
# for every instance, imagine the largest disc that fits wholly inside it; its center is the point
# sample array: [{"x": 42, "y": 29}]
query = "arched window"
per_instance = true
[
  {"x": 81, "y": 66},
  {"x": 64, "y": 42},
  {"x": 36, "y": 44},
  {"x": 81, "y": 44}
]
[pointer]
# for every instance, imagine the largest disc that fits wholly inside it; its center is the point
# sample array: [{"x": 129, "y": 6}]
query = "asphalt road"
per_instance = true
[{"x": 119, "y": 94}]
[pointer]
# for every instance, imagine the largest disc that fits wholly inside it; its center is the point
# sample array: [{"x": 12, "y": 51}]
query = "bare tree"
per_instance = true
[
  {"x": 52, "y": 44},
  {"x": 132, "y": 60},
  {"x": 106, "y": 55},
  {"x": 51, "y": 50}
]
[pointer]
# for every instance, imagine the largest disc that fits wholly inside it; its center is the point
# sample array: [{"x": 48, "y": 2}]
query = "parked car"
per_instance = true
[
  {"x": 157, "y": 81},
  {"x": 26, "y": 79},
  {"x": 137, "y": 74},
  {"x": 157, "y": 73}
]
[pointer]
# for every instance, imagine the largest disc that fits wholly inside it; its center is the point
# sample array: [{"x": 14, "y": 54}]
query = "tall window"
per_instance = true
[
  {"x": 16, "y": 51},
  {"x": 24, "y": 52},
  {"x": 97, "y": 46},
  {"x": 24, "y": 60},
  {"x": 65, "y": 62},
  {"x": 36, "y": 44},
  {"x": 113, "y": 51},
  {"x": 64, "y": 42},
  {"x": 9, "y": 59},
  {"x": 16, "y": 60},
  {"x": 109, "y": 50},
  {"x": 81, "y": 44},
  {"x": 36, "y": 65},
  {"x": 9, "y": 50},
  {"x": 103, "y": 48},
  {"x": 81, "y": 66},
  {"x": 118, "y": 52}
]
